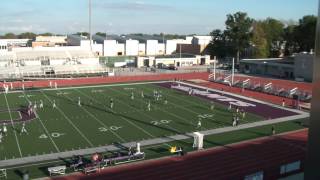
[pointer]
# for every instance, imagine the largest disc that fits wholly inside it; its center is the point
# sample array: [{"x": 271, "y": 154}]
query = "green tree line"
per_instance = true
[{"x": 250, "y": 38}]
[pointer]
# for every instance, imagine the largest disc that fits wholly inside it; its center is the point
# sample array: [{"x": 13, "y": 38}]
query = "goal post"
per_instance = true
[{"x": 198, "y": 140}]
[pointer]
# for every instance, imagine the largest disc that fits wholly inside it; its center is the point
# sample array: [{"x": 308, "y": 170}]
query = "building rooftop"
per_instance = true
[{"x": 183, "y": 55}]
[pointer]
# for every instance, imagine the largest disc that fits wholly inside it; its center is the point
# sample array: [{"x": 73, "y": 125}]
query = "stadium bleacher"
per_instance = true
[{"x": 35, "y": 63}]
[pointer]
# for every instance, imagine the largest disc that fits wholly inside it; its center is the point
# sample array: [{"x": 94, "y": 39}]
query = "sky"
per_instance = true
[{"x": 141, "y": 16}]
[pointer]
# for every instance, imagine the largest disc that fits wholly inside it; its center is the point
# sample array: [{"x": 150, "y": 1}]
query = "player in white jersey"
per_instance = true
[
  {"x": 142, "y": 94},
  {"x": 149, "y": 106},
  {"x": 165, "y": 101},
  {"x": 23, "y": 129},
  {"x": 35, "y": 105},
  {"x": 41, "y": 104},
  {"x": 79, "y": 101},
  {"x": 211, "y": 105},
  {"x": 132, "y": 96},
  {"x": 199, "y": 123},
  {"x": 5, "y": 130},
  {"x": 111, "y": 103},
  {"x": 54, "y": 104}
]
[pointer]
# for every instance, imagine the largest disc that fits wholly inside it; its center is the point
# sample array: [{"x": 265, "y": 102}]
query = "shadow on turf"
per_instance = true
[{"x": 19, "y": 172}]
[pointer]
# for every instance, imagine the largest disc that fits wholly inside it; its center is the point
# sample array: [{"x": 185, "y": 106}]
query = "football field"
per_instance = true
[{"x": 93, "y": 123}]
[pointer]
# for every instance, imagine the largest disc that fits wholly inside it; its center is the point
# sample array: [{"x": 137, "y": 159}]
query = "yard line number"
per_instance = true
[
  {"x": 54, "y": 135},
  {"x": 204, "y": 116},
  {"x": 111, "y": 128},
  {"x": 157, "y": 123}
]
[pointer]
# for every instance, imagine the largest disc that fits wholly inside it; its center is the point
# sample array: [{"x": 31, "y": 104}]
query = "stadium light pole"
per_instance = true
[
  {"x": 232, "y": 75},
  {"x": 90, "y": 33},
  {"x": 164, "y": 44},
  {"x": 214, "y": 68},
  {"x": 313, "y": 150}
]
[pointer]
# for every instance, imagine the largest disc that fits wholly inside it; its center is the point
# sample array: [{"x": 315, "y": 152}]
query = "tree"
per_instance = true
[
  {"x": 27, "y": 35},
  {"x": 305, "y": 33},
  {"x": 238, "y": 28},
  {"x": 102, "y": 34},
  {"x": 300, "y": 37},
  {"x": 259, "y": 41},
  {"x": 10, "y": 36},
  {"x": 274, "y": 31},
  {"x": 220, "y": 46},
  {"x": 46, "y": 34},
  {"x": 291, "y": 44},
  {"x": 86, "y": 34}
]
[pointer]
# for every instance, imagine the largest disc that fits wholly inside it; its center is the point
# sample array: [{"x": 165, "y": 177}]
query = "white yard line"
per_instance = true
[
  {"x": 140, "y": 113},
  {"x": 14, "y": 129},
  {"x": 133, "y": 124},
  {"x": 181, "y": 107},
  {"x": 44, "y": 127},
  {"x": 66, "y": 117},
  {"x": 98, "y": 120}
]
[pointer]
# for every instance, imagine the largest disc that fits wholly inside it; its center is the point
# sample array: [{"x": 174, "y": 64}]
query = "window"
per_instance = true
[
  {"x": 255, "y": 176},
  {"x": 287, "y": 168}
]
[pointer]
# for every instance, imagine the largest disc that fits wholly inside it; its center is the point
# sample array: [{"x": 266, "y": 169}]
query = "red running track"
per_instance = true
[
  {"x": 106, "y": 80},
  {"x": 228, "y": 162}
]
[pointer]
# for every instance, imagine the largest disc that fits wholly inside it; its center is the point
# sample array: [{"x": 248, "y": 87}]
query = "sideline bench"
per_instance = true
[
  {"x": 58, "y": 170},
  {"x": 92, "y": 168}
]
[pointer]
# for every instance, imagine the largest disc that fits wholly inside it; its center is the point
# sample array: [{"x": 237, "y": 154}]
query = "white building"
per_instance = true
[
  {"x": 149, "y": 45},
  {"x": 132, "y": 47},
  {"x": 58, "y": 40},
  {"x": 3, "y": 46},
  {"x": 7, "y": 44},
  {"x": 201, "y": 40},
  {"x": 110, "y": 48},
  {"x": 172, "y": 45},
  {"x": 113, "y": 48},
  {"x": 175, "y": 60},
  {"x": 152, "y": 47},
  {"x": 142, "y": 49}
]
